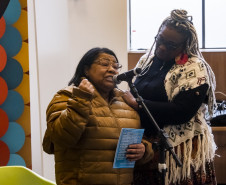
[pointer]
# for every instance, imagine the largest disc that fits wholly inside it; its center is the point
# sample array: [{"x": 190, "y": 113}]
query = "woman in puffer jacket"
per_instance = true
[{"x": 84, "y": 121}]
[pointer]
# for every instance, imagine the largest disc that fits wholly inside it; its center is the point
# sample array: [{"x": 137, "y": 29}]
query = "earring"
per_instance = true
[{"x": 181, "y": 59}]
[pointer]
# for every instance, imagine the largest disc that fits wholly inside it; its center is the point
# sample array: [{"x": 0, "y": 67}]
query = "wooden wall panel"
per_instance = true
[{"x": 217, "y": 61}]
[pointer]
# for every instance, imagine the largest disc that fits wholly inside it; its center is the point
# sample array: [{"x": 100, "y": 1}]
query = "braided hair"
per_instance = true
[{"x": 182, "y": 23}]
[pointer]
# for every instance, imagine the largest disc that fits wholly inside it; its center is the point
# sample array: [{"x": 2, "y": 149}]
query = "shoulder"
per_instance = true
[
  {"x": 145, "y": 60},
  {"x": 118, "y": 92},
  {"x": 195, "y": 62},
  {"x": 60, "y": 99},
  {"x": 119, "y": 102},
  {"x": 67, "y": 91},
  {"x": 193, "y": 67},
  {"x": 63, "y": 94}
]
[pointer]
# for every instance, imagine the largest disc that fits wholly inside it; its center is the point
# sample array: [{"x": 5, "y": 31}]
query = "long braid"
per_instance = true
[{"x": 183, "y": 24}]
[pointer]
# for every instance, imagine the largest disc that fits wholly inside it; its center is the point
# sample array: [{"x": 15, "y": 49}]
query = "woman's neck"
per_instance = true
[
  {"x": 105, "y": 95},
  {"x": 162, "y": 61}
]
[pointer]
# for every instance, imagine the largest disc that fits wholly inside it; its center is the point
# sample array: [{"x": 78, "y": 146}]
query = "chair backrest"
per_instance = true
[{"x": 20, "y": 175}]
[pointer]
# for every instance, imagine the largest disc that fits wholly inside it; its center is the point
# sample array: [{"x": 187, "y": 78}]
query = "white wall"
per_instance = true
[{"x": 60, "y": 32}]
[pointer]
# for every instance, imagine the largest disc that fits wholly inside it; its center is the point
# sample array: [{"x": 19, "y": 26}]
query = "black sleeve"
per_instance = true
[{"x": 181, "y": 109}]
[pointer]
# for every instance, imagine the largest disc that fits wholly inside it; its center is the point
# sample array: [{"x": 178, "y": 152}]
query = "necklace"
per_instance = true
[
  {"x": 146, "y": 69},
  {"x": 162, "y": 66}
]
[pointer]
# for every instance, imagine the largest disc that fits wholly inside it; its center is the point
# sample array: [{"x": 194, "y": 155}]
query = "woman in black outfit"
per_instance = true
[{"x": 177, "y": 86}]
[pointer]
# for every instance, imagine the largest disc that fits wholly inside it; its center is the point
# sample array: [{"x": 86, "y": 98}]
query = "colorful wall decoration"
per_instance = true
[{"x": 15, "y": 137}]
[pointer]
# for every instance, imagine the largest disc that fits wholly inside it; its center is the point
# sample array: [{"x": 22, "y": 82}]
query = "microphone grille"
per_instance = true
[
  {"x": 137, "y": 70},
  {"x": 116, "y": 80}
]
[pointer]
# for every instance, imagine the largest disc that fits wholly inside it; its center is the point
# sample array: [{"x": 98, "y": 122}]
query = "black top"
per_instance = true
[{"x": 151, "y": 88}]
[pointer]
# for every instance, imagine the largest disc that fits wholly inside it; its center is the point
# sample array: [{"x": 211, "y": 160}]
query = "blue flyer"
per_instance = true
[{"x": 128, "y": 136}]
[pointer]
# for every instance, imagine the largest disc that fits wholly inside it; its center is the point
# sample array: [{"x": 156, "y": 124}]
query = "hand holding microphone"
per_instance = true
[{"x": 126, "y": 76}]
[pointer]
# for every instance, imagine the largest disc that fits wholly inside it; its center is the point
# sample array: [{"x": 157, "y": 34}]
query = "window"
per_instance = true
[
  {"x": 208, "y": 18},
  {"x": 215, "y": 24}
]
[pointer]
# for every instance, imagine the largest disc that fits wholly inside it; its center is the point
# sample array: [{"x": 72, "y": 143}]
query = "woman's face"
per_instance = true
[
  {"x": 169, "y": 44},
  {"x": 101, "y": 72}
]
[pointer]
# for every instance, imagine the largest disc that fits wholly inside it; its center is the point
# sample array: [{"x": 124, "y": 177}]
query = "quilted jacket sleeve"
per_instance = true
[{"x": 67, "y": 116}]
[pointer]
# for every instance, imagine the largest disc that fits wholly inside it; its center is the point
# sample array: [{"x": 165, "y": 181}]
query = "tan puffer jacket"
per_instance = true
[{"x": 83, "y": 131}]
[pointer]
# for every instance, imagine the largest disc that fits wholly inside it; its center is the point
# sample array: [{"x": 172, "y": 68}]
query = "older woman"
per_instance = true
[
  {"x": 84, "y": 121},
  {"x": 177, "y": 85}
]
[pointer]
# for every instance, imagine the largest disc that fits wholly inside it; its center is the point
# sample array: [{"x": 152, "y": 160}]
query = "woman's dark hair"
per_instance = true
[{"x": 86, "y": 61}]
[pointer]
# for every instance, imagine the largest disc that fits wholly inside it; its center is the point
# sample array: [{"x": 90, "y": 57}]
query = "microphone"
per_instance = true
[{"x": 126, "y": 76}]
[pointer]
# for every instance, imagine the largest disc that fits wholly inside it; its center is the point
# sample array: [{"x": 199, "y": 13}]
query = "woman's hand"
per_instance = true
[
  {"x": 85, "y": 85},
  {"x": 135, "y": 152},
  {"x": 130, "y": 100}
]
